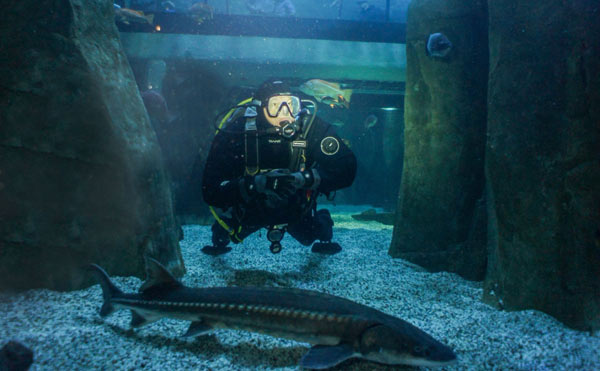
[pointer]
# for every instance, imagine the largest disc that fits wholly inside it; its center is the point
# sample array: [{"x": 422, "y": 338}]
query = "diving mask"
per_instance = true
[{"x": 276, "y": 103}]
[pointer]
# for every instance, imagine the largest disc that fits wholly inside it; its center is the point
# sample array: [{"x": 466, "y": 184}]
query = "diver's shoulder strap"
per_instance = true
[
  {"x": 235, "y": 112},
  {"x": 251, "y": 141},
  {"x": 298, "y": 147}
]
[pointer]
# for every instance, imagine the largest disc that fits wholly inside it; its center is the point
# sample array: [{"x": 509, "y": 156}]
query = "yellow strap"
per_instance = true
[
  {"x": 219, "y": 220},
  {"x": 231, "y": 111},
  {"x": 233, "y": 233}
]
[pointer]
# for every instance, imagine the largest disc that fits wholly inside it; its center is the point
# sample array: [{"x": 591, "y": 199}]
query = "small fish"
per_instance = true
[
  {"x": 370, "y": 121},
  {"x": 338, "y": 123},
  {"x": 128, "y": 16},
  {"x": 326, "y": 92},
  {"x": 438, "y": 45},
  {"x": 201, "y": 12}
]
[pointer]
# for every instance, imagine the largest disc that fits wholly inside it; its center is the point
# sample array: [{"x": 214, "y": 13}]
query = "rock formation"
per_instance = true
[
  {"x": 15, "y": 356},
  {"x": 81, "y": 175},
  {"x": 445, "y": 120},
  {"x": 543, "y": 159}
]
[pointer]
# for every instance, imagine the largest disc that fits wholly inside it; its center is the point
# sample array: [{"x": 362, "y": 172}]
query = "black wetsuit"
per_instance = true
[{"x": 226, "y": 163}]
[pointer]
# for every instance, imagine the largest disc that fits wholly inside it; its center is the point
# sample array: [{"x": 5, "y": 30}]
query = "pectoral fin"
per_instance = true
[
  {"x": 197, "y": 328},
  {"x": 139, "y": 319},
  {"x": 324, "y": 356}
]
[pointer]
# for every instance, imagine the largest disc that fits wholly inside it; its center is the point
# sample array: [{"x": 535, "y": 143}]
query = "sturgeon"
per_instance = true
[{"x": 338, "y": 328}]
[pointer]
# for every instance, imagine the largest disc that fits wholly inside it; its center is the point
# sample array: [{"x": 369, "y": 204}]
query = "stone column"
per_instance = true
[
  {"x": 543, "y": 158},
  {"x": 445, "y": 119},
  {"x": 393, "y": 150}
]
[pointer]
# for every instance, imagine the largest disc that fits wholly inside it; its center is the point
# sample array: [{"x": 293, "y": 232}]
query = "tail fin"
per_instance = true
[{"x": 109, "y": 290}]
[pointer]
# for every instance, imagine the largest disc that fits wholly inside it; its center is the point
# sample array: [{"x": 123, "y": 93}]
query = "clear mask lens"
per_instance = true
[{"x": 278, "y": 104}]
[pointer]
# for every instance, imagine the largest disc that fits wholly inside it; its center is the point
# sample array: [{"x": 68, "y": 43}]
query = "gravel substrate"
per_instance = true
[{"x": 65, "y": 331}]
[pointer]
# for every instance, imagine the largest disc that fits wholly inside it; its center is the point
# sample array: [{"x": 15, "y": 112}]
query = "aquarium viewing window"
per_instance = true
[{"x": 330, "y": 39}]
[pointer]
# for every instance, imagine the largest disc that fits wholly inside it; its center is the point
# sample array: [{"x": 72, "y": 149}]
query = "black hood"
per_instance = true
[{"x": 270, "y": 88}]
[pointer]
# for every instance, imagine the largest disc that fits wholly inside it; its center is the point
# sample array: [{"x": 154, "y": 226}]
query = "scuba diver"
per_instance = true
[{"x": 270, "y": 159}]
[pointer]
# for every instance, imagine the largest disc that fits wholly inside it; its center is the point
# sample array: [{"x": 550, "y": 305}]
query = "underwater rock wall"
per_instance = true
[
  {"x": 438, "y": 225},
  {"x": 196, "y": 97},
  {"x": 189, "y": 97},
  {"x": 81, "y": 175},
  {"x": 543, "y": 158}
]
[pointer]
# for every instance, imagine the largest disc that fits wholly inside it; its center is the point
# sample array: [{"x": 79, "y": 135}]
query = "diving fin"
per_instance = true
[
  {"x": 325, "y": 356},
  {"x": 328, "y": 248}
]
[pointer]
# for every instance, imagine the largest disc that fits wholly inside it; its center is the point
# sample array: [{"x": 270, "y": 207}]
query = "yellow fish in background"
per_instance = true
[
  {"x": 127, "y": 16},
  {"x": 326, "y": 92},
  {"x": 200, "y": 12}
]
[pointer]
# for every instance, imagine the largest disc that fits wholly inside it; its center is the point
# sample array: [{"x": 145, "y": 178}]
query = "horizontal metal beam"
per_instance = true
[{"x": 275, "y": 27}]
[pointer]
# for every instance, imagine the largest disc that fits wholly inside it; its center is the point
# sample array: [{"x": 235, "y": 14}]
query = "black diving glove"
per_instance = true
[{"x": 276, "y": 185}]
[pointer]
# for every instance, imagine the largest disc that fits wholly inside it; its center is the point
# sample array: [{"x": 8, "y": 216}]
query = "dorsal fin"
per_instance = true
[{"x": 157, "y": 275}]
